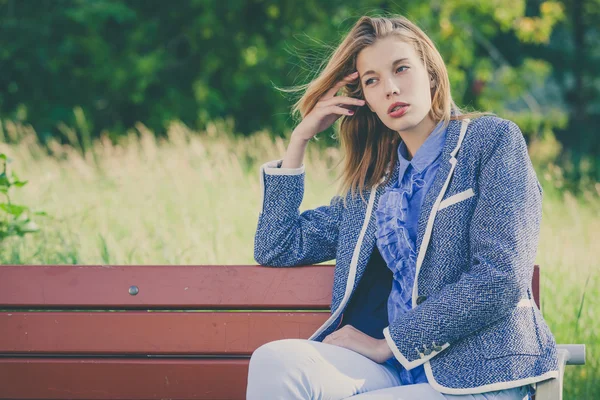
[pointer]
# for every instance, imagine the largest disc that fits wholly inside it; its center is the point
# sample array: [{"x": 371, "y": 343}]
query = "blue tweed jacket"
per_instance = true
[{"x": 474, "y": 324}]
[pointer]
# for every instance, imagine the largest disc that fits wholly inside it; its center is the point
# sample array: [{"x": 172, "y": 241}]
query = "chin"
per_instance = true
[
  {"x": 407, "y": 122},
  {"x": 402, "y": 124}
]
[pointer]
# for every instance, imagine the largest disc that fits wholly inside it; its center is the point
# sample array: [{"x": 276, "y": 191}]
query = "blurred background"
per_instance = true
[{"x": 131, "y": 132}]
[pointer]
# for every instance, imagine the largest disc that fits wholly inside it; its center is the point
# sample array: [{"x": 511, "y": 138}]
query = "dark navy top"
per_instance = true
[{"x": 367, "y": 309}]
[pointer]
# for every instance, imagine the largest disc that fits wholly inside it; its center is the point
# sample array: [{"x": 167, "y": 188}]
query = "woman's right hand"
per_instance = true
[{"x": 327, "y": 110}]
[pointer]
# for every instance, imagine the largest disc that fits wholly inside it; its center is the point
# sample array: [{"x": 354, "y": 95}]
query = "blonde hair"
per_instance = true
[{"x": 364, "y": 139}]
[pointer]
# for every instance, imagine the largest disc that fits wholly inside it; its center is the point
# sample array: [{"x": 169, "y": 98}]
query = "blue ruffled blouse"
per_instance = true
[{"x": 397, "y": 218}]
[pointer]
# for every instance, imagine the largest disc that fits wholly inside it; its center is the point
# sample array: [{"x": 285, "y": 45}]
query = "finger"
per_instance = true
[
  {"x": 337, "y": 100},
  {"x": 349, "y": 78},
  {"x": 337, "y": 110}
]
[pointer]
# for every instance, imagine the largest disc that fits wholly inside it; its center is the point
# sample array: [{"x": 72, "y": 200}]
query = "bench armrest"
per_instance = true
[
  {"x": 576, "y": 353},
  {"x": 552, "y": 389}
]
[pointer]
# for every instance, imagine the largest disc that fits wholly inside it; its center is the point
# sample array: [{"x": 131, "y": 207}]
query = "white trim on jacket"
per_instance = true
[
  {"x": 485, "y": 388},
  {"x": 400, "y": 357},
  {"x": 457, "y": 198},
  {"x": 271, "y": 168}
]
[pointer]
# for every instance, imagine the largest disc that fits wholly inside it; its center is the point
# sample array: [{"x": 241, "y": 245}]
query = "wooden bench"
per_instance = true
[{"x": 113, "y": 332}]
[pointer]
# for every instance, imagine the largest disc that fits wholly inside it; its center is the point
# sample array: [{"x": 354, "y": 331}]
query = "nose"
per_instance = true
[{"x": 391, "y": 90}]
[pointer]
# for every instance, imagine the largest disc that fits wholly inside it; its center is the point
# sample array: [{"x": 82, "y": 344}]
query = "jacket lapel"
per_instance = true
[{"x": 440, "y": 178}]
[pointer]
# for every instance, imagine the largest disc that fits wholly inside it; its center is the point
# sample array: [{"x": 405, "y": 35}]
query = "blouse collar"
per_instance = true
[{"x": 426, "y": 154}]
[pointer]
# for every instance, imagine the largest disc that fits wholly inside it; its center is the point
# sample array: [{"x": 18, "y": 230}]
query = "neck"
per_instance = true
[{"x": 413, "y": 138}]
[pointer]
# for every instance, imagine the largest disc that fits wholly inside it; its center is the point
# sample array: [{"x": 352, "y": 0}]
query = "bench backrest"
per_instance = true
[{"x": 145, "y": 332}]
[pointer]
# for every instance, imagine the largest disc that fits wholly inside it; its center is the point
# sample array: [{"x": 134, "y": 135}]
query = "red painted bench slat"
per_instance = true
[
  {"x": 165, "y": 286},
  {"x": 139, "y": 332},
  {"x": 93, "y": 378}
]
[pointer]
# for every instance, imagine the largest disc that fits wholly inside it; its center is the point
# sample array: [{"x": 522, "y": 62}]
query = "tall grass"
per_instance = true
[{"x": 193, "y": 198}]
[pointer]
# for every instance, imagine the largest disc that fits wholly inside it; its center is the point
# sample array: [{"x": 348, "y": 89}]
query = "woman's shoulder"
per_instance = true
[
  {"x": 490, "y": 137},
  {"x": 489, "y": 130},
  {"x": 492, "y": 125}
]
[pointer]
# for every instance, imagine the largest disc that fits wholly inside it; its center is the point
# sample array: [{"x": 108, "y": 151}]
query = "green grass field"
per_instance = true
[{"x": 194, "y": 199}]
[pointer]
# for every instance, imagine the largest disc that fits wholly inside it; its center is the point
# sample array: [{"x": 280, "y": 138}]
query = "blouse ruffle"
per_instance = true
[
  {"x": 394, "y": 239},
  {"x": 399, "y": 252}
]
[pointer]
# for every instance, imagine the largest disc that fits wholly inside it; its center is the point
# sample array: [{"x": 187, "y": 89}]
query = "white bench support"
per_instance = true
[{"x": 552, "y": 389}]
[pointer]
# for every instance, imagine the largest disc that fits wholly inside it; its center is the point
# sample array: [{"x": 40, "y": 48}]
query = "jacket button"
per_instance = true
[
  {"x": 421, "y": 299},
  {"x": 427, "y": 351}
]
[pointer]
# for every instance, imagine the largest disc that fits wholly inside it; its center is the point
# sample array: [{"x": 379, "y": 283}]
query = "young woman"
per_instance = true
[{"x": 431, "y": 295}]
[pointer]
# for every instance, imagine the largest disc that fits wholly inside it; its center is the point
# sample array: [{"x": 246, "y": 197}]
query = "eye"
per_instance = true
[{"x": 397, "y": 69}]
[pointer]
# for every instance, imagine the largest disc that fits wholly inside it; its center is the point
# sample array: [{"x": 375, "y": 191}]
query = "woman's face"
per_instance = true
[{"x": 390, "y": 71}]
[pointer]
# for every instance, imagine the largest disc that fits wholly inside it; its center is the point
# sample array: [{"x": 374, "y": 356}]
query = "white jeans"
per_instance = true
[{"x": 304, "y": 369}]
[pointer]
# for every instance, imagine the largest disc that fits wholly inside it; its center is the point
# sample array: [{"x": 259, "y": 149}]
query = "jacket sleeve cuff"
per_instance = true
[
  {"x": 274, "y": 168},
  {"x": 286, "y": 185},
  {"x": 407, "y": 362}
]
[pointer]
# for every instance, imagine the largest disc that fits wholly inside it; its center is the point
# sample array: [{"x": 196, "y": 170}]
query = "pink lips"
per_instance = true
[
  {"x": 399, "y": 112},
  {"x": 398, "y": 103}
]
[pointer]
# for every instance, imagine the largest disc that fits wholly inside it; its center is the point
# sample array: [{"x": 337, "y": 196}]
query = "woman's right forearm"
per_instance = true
[{"x": 295, "y": 152}]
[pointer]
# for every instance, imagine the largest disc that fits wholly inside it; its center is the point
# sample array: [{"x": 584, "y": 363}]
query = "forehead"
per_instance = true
[{"x": 383, "y": 52}]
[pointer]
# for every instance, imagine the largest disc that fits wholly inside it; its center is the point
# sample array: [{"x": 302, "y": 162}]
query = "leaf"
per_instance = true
[
  {"x": 4, "y": 180},
  {"x": 13, "y": 209},
  {"x": 19, "y": 183}
]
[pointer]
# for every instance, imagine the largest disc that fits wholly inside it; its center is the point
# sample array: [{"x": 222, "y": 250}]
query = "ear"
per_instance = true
[{"x": 431, "y": 82}]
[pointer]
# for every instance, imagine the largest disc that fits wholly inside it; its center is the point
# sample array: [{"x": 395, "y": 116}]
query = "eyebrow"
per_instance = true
[{"x": 394, "y": 63}]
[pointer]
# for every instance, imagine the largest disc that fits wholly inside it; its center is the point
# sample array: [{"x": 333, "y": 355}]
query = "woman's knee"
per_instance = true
[
  {"x": 279, "y": 355},
  {"x": 276, "y": 368}
]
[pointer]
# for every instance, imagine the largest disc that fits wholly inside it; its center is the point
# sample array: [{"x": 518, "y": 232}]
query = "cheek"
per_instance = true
[
  {"x": 425, "y": 88},
  {"x": 370, "y": 99},
  {"x": 414, "y": 87}
]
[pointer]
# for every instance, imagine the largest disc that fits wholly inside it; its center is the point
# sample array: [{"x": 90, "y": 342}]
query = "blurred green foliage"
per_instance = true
[
  {"x": 15, "y": 219},
  {"x": 102, "y": 65}
]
